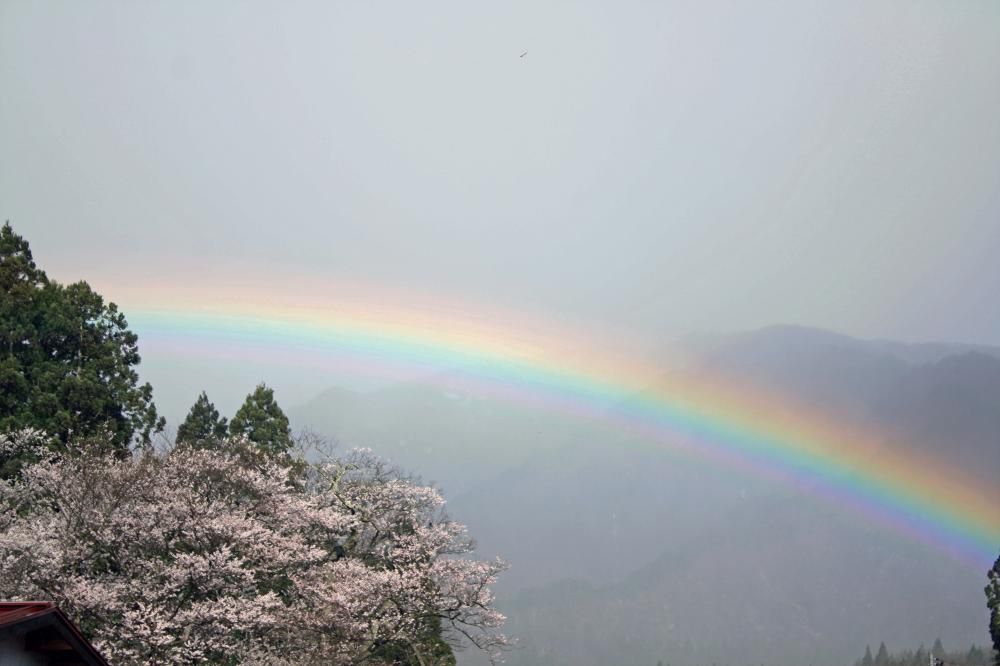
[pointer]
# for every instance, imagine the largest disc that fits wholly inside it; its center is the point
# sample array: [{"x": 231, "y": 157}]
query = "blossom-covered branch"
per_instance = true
[{"x": 220, "y": 555}]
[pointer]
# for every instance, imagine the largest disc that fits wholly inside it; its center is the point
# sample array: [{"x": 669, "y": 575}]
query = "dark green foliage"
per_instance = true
[
  {"x": 882, "y": 657},
  {"x": 203, "y": 426},
  {"x": 975, "y": 656},
  {"x": 431, "y": 649},
  {"x": 67, "y": 358},
  {"x": 867, "y": 660},
  {"x": 261, "y": 420},
  {"x": 993, "y": 603}
]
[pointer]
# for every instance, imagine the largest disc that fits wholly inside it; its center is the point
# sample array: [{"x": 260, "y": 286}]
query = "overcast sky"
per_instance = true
[{"x": 670, "y": 167}]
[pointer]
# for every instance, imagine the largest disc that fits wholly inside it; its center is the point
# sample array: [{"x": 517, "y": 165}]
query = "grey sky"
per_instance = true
[{"x": 667, "y": 166}]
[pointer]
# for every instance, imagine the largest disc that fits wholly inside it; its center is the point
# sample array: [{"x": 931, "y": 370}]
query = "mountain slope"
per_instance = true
[{"x": 625, "y": 553}]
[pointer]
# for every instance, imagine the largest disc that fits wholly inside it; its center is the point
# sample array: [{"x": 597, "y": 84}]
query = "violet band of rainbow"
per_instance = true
[{"x": 711, "y": 419}]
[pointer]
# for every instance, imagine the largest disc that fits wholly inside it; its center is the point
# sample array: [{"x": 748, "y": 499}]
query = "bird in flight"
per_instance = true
[{"x": 523, "y": 54}]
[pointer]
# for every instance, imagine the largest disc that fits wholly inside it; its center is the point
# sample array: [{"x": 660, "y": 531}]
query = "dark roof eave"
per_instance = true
[{"x": 52, "y": 617}]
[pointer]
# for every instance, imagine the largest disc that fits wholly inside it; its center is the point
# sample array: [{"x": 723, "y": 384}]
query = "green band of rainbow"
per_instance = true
[{"x": 708, "y": 418}]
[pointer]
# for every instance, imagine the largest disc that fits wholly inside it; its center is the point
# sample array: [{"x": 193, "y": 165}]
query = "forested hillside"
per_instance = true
[{"x": 621, "y": 550}]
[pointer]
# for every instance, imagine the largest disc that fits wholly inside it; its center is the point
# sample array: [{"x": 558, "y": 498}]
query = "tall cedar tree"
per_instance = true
[
  {"x": 993, "y": 603},
  {"x": 202, "y": 425},
  {"x": 261, "y": 420},
  {"x": 67, "y": 359}
]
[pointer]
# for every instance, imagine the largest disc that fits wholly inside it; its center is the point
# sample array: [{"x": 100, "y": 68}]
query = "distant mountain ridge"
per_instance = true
[
  {"x": 941, "y": 398},
  {"x": 622, "y": 553},
  {"x": 809, "y": 336}
]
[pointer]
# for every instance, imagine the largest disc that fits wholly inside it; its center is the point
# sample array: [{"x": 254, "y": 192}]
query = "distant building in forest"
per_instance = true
[{"x": 36, "y": 633}]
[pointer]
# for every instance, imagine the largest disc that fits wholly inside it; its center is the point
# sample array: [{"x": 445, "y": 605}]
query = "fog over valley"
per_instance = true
[{"x": 445, "y": 333}]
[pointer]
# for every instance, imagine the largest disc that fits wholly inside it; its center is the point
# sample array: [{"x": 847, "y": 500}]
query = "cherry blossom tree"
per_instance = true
[{"x": 230, "y": 556}]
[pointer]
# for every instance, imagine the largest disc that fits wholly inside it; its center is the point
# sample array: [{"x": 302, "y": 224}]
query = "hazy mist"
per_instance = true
[
  {"x": 654, "y": 171},
  {"x": 670, "y": 167}
]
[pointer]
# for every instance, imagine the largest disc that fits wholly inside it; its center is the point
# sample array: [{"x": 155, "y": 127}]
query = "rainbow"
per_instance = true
[{"x": 532, "y": 362}]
